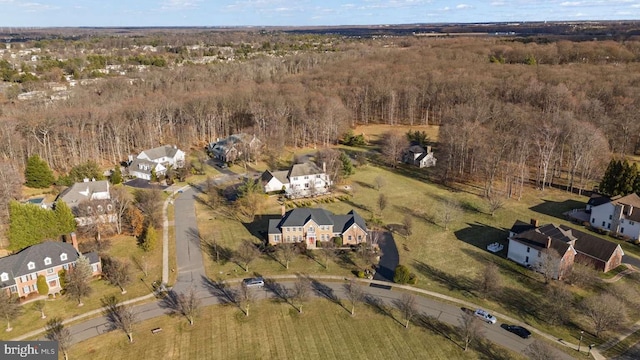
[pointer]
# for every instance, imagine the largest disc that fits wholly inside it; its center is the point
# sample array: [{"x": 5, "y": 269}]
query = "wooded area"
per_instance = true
[{"x": 504, "y": 106}]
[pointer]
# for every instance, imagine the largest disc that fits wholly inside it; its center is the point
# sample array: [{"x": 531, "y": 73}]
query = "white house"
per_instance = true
[
  {"x": 90, "y": 201},
  {"x": 158, "y": 159},
  {"x": 301, "y": 180},
  {"x": 619, "y": 215},
  {"x": 419, "y": 156}
]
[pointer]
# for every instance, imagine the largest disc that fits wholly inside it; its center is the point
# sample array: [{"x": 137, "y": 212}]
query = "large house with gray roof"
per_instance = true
[
  {"x": 301, "y": 180},
  {"x": 90, "y": 202},
  {"x": 309, "y": 225},
  {"x": 19, "y": 272},
  {"x": 158, "y": 159},
  {"x": 618, "y": 215},
  {"x": 234, "y": 147},
  {"x": 528, "y": 244}
]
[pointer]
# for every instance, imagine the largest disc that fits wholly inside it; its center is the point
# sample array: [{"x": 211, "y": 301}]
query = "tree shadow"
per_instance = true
[
  {"x": 344, "y": 258},
  {"x": 259, "y": 227},
  {"x": 222, "y": 292},
  {"x": 449, "y": 332},
  {"x": 280, "y": 292},
  {"x": 489, "y": 350},
  {"x": 218, "y": 253},
  {"x": 557, "y": 208},
  {"x": 324, "y": 291},
  {"x": 453, "y": 282},
  {"x": 364, "y": 184},
  {"x": 416, "y": 214},
  {"x": 378, "y": 305}
]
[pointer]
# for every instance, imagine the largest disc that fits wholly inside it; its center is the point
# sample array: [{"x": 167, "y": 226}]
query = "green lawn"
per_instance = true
[
  {"x": 276, "y": 331},
  {"x": 122, "y": 247}
]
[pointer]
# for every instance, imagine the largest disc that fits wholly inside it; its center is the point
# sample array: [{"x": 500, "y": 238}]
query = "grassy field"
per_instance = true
[
  {"x": 122, "y": 247},
  {"x": 277, "y": 331}
]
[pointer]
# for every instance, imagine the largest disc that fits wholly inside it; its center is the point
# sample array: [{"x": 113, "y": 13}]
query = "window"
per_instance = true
[
  {"x": 306, "y": 177},
  {"x": 288, "y": 229},
  {"x": 622, "y": 230},
  {"x": 47, "y": 261},
  {"x": 349, "y": 237},
  {"x": 63, "y": 256},
  {"x": 31, "y": 265},
  {"x": 14, "y": 289},
  {"x": 288, "y": 238},
  {"x": 359, "y": 237},
  {"x": 50, "y": 271},
  {"x": 23, "y": 278},
  {"x": 609, "y": 226},
  {"x": 4, "y": 277},
  {"x": 526, "y": 259},
  {"x": 34, "y": 287},
  {"x": 295, "y": 238},
  {"x": 603, "y": 224},
  {"x": 94, "y": 267},
  {"x": 299, "y": 229},
  {"x": 310, "y": 229},
  {"x": 631, "y": 223},
  {"x": 539, "y": 254},
  {"x": 593, "y": 220},
  {"x": 25, "y": 290},
  {"x": 528, "y": 249},
  {"x": 65, "y": 266}
]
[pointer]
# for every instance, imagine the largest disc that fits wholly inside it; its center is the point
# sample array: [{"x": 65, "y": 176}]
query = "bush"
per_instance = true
[
  {"x": 338, "y": 241},
  {"x": 413, "y": 279},
  {"x": 360, "y": 274},
  {"x": 401, "y": 275},
  {"x": 43, "y": 287}
]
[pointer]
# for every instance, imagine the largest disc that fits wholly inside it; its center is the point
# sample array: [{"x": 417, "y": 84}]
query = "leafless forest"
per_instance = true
[{"x": 504, "y": 106}]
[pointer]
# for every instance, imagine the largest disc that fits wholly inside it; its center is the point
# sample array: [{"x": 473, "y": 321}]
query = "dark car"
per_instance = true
[{"x": 518, "y": 330}]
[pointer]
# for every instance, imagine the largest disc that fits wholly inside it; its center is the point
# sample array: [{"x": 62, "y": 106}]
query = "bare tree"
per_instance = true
[
  {"x": 121, "y": 200},
  {"x": 407, "y": 306},
  {"x": 328, "y": 252},
  {"x": 97, "y": 217},
  {"x": 605, "y": 312},
  {"x": 495, "y": 203},
  {"x": 39, "y": 307},
  {"x": 9, "y": 308},
  {"x": 539, "y": 350},
  {"x": 117, "y": 272},
  {"x": 546, "y": 140},
  {"x": 78, "y": 278},
  {"x": 382, "y": 202},
  {"x": 380, "y": 182},
  {"x": 142, "y": 263},
  {"x": 469, "y": 328},
  {"x": 119, "y": 315},
  {"x": 149, "y": 202},
  {"x": 354, "y": 294},
  {"x": 407, "y": 223},
  {"x": 301, "y": 290},
  {"x": 247, "y": 253},
  {"x": 558, "y": 304},
  {"x": 286, "y": 252},
  {"x": 189, "y": 305},
  {"x": 55, "y": 331},
  {"x": 489, "y": 280},
  {"x": 393, "y": 145},
  {"x": 549, "y": 264},
  {"x": 450, "y": 211},
  {"x": 245, "y": 298}
]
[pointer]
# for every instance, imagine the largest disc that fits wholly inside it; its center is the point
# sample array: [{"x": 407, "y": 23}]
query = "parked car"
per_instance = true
[
  {"x": 518, "y": 330},
  {"x": 484, "y": 315},
  {"x": 222, "y": 165},
  {"x": 253, "y": 282}
]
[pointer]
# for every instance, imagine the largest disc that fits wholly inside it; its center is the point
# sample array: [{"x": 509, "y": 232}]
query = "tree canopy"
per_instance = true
[
  {"x": 30, "y": 224},
  {"x": 37, "y": 173}
]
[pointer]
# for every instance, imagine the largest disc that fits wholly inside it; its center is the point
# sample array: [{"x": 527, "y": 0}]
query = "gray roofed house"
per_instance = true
[
  {"x": 419, "y": 156},
  {"x": 19, "y": 272},
  {"x": 90, "y": 201},
  {"x": 234, "y": 146},
  {"x": 620, "y": 215},
  {"x": 301, "y": 180},
  {"x": 310, "y": 225},
  {"x": 158, "y": 159}
]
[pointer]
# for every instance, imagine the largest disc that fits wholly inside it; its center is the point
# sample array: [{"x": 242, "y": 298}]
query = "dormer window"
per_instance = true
[
  {"x": 47, "y": 261},
  {"x": 63, "y": 256},
  {"x": 31, "y": 265},
  {"x": 4, "y": 277}
]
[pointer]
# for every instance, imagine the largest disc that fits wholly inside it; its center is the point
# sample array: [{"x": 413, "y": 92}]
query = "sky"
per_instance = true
[{"x": 103, "y": 13}]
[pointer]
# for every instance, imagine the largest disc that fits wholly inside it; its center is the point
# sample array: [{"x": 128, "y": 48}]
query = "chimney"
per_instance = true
[
  {"x": 534, "y": 222},
  {"x": 428, "y": 149},
  {"x": 548, "y": 242},
  {"x": 630, "y": 210},
  {"x": 324, "y": 167},
  {"x": 74, "y": 241},
  {"x": 282, "y": 210}
]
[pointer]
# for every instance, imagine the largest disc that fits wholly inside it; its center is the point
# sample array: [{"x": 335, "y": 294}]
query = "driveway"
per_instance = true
[
  {"x": 144, "y": 184},
  {"x": 389, "y": 259},
  {"x": 631, "y": 260}
]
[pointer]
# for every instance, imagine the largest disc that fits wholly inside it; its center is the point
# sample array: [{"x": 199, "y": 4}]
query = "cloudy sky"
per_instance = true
[{"x": 302, "y": 12}]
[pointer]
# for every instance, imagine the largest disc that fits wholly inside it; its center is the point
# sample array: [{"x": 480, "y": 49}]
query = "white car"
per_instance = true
[{"x": 484, "y": 315}]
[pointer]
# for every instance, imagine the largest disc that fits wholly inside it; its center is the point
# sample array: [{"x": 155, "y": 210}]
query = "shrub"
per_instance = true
[
  {"x": 360, "y": 274},
  {"x": 413, "y": 279},
  {"x": 401, "y": 275},
  {"x": 62, "y": 274},
  {"x": 43, "y": 287},
  {"x": 338, "y": 241}
]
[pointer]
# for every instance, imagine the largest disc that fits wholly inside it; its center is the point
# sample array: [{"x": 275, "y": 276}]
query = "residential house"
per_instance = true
[
  {"x": 526, "y": 241},
  {"x": 535, "y": 245},
  {"x": 19, "y": 272},
  {"x": 618, "y": 215},
  {"x": 158, "y": 159},
  {"x": 309, "y": 225},
  {"x": 237, "y": 146},
  {"x": 90, "y": 201},
  {"x": 301, "y": 180},
  {"x": 419, "y": 156}
]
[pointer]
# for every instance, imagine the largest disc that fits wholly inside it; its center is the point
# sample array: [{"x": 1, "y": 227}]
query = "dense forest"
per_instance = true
[{"x": 505, "y": 107}]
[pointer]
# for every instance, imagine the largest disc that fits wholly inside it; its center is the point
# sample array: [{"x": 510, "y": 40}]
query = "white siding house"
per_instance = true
[
  {"x": 302, "y": 180},
  {"x": 158, "y": 159},
  {"x": 620, "y": 216}
]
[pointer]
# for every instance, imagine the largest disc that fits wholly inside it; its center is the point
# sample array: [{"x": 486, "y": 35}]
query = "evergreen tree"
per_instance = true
[
  {"x": 149, "y": 239},
  {"x": 65, "y": 218},
  {"x": 43, "y": 287},
  {"x": 347, "y": 166},
  {"x": 628, "y": 178},
  {"x": 116, "y": 176},
  {"x": 89, "y": 170},
  {"x": 77, "y": 282},
  {"x": 37, "y": 173},
  {"x": 418, "y": 138}
]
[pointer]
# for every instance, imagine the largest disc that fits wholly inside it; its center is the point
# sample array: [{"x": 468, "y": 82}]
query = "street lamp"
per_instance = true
[
  {"x": 590, "y": 347},
  {"x": 580, "y": 341}
]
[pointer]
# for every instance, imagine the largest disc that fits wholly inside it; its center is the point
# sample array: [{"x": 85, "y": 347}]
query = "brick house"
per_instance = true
[
  {"x": 19, "y": 272},
  {"x": 310, "y": 225}
]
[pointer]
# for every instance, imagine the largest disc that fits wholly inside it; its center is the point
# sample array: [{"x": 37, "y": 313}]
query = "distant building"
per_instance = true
[
  {"x": 90, "y": 202},
  {"x": 234, "y": 147},
  {"x": 158, "y": 159},
  {"x": 301, "y": 180},
  {"x": 419, "y": 156}
]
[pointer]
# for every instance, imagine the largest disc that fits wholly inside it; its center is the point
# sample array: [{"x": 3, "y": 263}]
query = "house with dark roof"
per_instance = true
[
  {"x": 618, "y": 215},
  {"x": 19, "y": 272},
  {"x": 158, "y": 159},
  {"x": 90, "y": 202},
  {"x": 310, "y": 225},
  {"x": 528, "y": 241},
  {"x": 419, "y": 156},
  {"x": 234, "y": 147},
  {"x": 301, "y": 180}
]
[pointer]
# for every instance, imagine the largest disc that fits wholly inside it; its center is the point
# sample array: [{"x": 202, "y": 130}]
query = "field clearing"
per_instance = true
[
  {"x": 372, "y": 133},
  {"x": 277, "y": 331},
  {"x": 122, "y": 247}
]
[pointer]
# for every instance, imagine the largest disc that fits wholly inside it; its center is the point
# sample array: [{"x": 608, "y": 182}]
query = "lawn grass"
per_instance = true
[
  {"x": 277, "y": 331},
  {"x": 122, "y": 247},
  {"x": 623, "y": 346}
]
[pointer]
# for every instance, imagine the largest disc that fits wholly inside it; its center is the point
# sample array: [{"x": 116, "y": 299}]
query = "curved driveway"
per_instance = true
[{"x": 191, "y": 274}]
